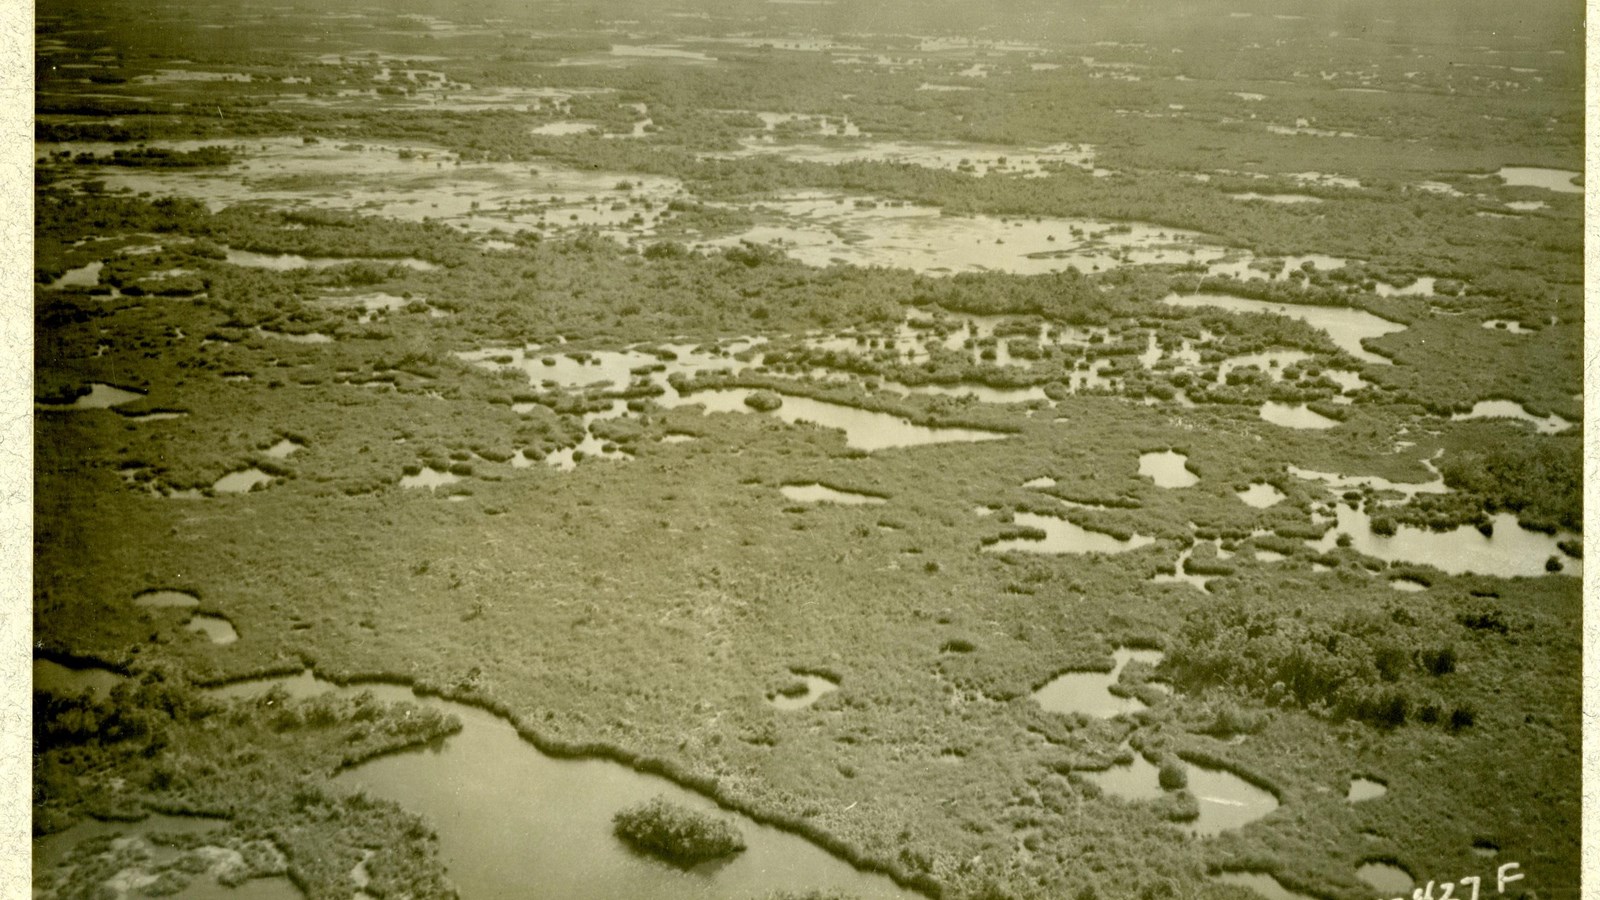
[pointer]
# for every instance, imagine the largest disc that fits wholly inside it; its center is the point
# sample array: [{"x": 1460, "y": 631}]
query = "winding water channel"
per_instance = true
[{"x": 516, "y": 822}]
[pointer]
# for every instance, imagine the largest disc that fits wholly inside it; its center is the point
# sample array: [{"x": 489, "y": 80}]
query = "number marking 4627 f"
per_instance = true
[{"x": 1503, "y": 876}]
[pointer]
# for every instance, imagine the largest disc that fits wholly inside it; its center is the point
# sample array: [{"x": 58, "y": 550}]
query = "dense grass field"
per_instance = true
[{"x": 635, "y": 371}]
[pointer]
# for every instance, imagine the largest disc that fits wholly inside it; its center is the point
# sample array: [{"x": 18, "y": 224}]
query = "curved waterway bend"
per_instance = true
[
  {"x": 514, "y": 822},
  {"x": 1347, "y": 327}
]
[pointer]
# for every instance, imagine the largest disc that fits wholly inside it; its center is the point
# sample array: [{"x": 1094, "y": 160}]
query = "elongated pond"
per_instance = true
[
  {"x": 1385, "y": 877},
  {"x": 1561, "y": 181},
  {"x": 1377, "y": 483},
  {"x": 863, "y": 429},
  {"x": 65, "y": 680},
  {"x": 398, "y": 182},
  {"x": 1507, "y": 409},
  {"x": 1511, "y": 551},
  {"x": 815, "y": 687},
  {"x": 819, "y": 229},
  {"x": 288, "y": 262},
  {"x": 100, "y": 396},
  {"x": 1064, "y": 536},
  {"x": 1167, "y": 469},
  {"x": 1090, "y": 692},
  {"x": 821, "y": 493},
  {"x": 1263, "y": 884},
  {"x": 1226, "y": 801},
  {"x": 1301, "y": 416},
  {"x": 1365, "y": 789},
  {"x": 1347, "y": 327},
  {"x": 241, "y": 482},
  {"x": 514, "y": 822},
  {"x": 1261, "y": 495}
]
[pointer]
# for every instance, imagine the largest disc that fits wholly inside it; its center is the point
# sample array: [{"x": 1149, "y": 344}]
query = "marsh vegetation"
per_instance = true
[{"x": 1100, "y": 458}]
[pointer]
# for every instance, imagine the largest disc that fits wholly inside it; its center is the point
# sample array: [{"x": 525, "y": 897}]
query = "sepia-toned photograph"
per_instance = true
[{"x": 805, "y": 449}]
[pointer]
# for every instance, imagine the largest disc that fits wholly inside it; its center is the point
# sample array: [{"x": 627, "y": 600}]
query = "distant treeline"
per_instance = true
[{"x": 158, "y": 158}]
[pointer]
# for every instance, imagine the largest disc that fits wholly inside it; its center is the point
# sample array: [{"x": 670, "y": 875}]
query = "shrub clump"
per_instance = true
[
  {"x": 677, "y": 834},
  {"x": 763, "y": 401},
  {"x": 1173, "y": 775}
]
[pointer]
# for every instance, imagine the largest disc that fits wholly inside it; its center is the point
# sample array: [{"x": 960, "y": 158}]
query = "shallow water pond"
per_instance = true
[
  {"x": 1300, "y": 416},
  {"x": 1422, "y": 287},
  {"x": 1387, "y": 878},
  {"x": 1272, "y": 363},
  {"x": 566, "y": 459},
  {"x": 1365, "y": 789},
  {"x": 616, "y": 369},
  {"x": 303, "y": 684},
  {"x": 914, "y": 339},
  {"x": 556, "y": 840},
  {"x": 1261, "y": 495},
  {"x": 83, "y": 276},
  {"x": 409, "y": 183},
  {"x": 285, "y": 262},
  {"x": 1088, "y": 692},
  {"x": 1179, "y": 575},
  {"x": 1507, "y": 409},
  {"x": 562, "y": 129},
  {"x": 283, "y": 448},
  {"x": 980, "y": 392},
  {"x": 1561, "y": 181},
  {"x": 166, "y": 599},
  {"x": 1347, "y": 482},
  {"x": 1277, "y": 198},
  {"x": 1247, "y": 266},
  {"x": 624, "y": 54},
  {"x": 100, "y": 396},
  {"x": 816, "y": 686},
  {"x": 65, "y": 680},
  {"x": 1226, "y": 800},
  {"x": 240, "y": 482},
  {"x": 864, "y": 429},
  {"x": 1345, "y": 326},
  {"x": 819, "y": 493},
  {"x": 429, "y": 478},
  {"x": 303, "y": 337},
  {"x": 1510, "y": 326},
  {"x": 1135, "y": 780},
  {"x": 216, "y": 629},
  {"x": 1513, "y": 550},
  {"x": 1063, "y": 536},
  {"x": 820, "y": 229},
  {"x": 977, "y": 160},
  {"x": 1263, "y": 884},
  {"x": 1167, "y": 469}
]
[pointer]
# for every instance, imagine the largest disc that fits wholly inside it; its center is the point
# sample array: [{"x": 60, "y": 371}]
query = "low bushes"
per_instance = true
[
  {"x": 1173, "y": 775},
  {"x": 1540, "y": 480},
  {"x": 677, "y": 834},
  {"x": 1358, "y": 667},
  {"x": 763, "y": 401}
]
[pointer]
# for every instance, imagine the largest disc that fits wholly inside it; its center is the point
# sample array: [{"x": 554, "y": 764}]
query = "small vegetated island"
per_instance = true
[
  {"x": 1035, "y": 450},
  {"x": 677, "y": 834}
]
